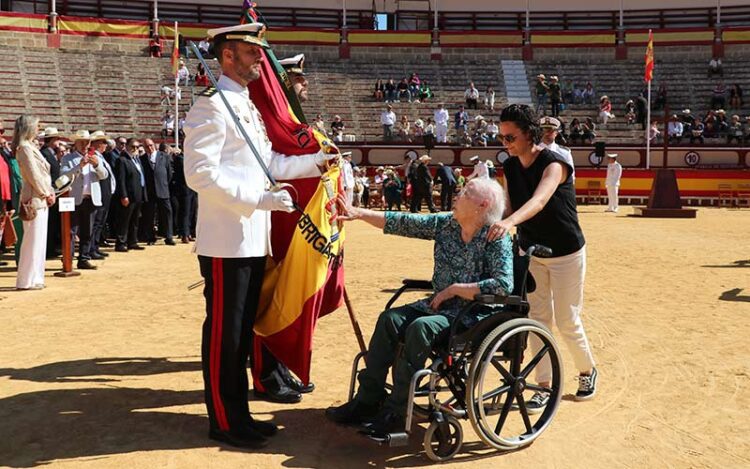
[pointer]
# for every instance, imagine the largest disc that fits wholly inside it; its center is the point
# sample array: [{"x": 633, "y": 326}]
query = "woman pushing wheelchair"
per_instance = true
[{"x": 466, "y": 263}]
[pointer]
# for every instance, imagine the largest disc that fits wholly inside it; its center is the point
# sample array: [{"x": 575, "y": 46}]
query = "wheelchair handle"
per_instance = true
[{"x": 539, "y": 251}]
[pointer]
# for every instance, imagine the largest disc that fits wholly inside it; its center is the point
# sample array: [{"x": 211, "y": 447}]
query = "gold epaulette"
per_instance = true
[{"x": 210, "y": 91}]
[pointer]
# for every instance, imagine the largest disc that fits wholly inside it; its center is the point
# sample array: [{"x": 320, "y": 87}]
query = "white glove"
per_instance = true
[
  {"x": 281, "y": 201},
  {"x": 322, "y": 158}
]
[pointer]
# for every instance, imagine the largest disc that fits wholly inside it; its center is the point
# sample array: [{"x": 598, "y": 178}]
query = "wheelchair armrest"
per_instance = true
[
  {"x": 417, "y": 284},
  {"x": 489, "y": 299}
]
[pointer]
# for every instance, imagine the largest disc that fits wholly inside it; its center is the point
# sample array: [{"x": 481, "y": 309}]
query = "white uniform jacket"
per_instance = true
[
  {"x": 614, "y": 173},
  {"x": 562, "y": 151},
  {"x": 221, "y": 168}
]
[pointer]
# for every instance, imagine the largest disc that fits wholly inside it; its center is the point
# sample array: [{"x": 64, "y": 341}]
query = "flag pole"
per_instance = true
[
  {"x": 648, "y": 128},
  {"x": 355, "y": 323},
  {"x": 176, "y": 128}
]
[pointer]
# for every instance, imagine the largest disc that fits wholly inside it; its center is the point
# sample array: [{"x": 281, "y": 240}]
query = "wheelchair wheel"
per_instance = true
[
  {"x": 499, "y": 384},
  {"x": 443, "y": 441}
]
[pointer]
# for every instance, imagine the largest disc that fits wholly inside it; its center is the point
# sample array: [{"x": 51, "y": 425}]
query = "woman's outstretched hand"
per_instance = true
[{"x": 346, "y": 211}]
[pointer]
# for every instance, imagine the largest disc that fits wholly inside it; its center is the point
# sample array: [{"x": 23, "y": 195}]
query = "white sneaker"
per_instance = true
[{"x": 586, "y": 386}]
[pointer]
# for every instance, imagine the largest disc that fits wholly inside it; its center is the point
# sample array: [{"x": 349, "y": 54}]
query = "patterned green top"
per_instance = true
[{"x": 489, "y": 264}]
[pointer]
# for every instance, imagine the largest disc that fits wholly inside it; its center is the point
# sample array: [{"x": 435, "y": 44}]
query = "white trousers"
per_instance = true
[
  {"x": 558, "y": 299},
  {"x": 33, "y": 251},
  {"x": 441, "y": 132},
  {"x": 612, "y": 196}
]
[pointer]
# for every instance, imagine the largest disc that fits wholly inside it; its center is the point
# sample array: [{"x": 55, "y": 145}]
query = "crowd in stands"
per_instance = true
[
  {"x": 127, "y": 192},
  {"x": 413, "y": 89}
]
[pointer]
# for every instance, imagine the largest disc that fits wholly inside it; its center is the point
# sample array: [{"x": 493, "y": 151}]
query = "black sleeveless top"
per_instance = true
[{"x": 556, "y": 225}]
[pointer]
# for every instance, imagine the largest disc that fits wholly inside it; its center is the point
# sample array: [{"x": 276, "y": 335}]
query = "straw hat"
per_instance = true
[
  {"x": 99, "y": 135},
  {"x": 424, "y": 158},
  {"x": 50, "y": 132},
  {"x": 80, "y": 135}
]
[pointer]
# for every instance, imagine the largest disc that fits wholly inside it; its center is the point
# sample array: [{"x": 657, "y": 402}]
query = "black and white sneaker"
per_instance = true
[
  {"x": 586, "y": 386},
  {"x": 537, "y": 403}
]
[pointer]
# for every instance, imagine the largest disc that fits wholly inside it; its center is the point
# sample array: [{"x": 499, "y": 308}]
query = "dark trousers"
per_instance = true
[
  {"x": 416, "y": 200},
  {"x": 149, "y": 211},
  {"x": 231, "y": 290},
  {"x": 81, "y": 224},
  {"x": 54, "y": 242},
  {"x": 100, "y": 220},
  {"x": 185, "y": 216},
  {"x": 555, "y": 107},
  {"x": 127, "y": 224},
  {"x": 446, "y": 197},
  {"x": 264, "y": 364}
]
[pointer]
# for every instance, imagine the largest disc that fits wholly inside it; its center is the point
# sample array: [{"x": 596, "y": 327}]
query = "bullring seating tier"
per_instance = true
[{"x": 121, "y": 93}]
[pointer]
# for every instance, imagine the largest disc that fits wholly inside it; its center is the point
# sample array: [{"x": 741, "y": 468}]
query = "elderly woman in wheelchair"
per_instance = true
[{"x": 467, "y": 268}]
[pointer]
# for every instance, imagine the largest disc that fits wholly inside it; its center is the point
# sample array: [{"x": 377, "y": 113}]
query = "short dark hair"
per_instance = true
[
  {"x": 525, "y": 118},
  {"x": 130, "y": 142},
  {"x": 219, "y": 47}
]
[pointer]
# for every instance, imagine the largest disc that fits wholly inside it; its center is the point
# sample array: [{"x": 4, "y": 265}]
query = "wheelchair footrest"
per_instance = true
[{"x": 392, "y": 439}]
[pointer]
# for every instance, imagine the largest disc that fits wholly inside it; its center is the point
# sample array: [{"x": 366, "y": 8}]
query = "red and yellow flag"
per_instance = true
[
  {"x": 175, "y": 52},
  {"x": 296, "y": 291},
  {"x": 306, "y": 283},
  {"x": 649, "y": 57}
]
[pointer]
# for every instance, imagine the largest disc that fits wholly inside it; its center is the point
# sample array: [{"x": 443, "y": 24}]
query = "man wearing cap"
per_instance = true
[
  {"x": 551, "y": 127},
  {"x": 294, "y": 67},
  {"x": 51, "y": 141},
  {"x": 88, "y": 170},
  {"x": 234, "y": 219},
  {"x": 480, "y": 169},
  {"x": 614, "y": 173},
  {"x": 422, "y": 186},
  {"x": 108, "y": 186}
]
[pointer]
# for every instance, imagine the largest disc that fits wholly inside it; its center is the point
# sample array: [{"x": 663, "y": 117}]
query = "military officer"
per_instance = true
[
  {"x": 551, "y": 127},
  {"x": 233, "y": 225},
  {"x": 294, "y": 67}
]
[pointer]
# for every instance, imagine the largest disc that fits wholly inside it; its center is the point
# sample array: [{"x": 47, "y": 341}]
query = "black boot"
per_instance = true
[
  {"x": 352, "y": 413},
  {"x": 276, "y": 390},
  {"x": 384, "y": 423}
]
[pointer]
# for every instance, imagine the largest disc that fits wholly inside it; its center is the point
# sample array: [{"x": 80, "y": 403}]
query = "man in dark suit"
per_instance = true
[
  {"x": 183, "y": 198},
  {"x": 49, "y": 151},
  {"x": 157, "y": 168},
  {"x": 131, "y": 193},
  {"x": 114, "y": 150},
  {"x": 447, "y": 186},
  {"x": 422, "y": 187}
]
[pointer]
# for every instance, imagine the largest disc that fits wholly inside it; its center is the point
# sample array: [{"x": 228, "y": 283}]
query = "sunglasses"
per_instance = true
[{"x": 508, "y": 138}]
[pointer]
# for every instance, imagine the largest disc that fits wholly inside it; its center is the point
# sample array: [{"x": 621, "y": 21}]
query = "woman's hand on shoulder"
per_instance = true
[{"x": 499, "y": 229}]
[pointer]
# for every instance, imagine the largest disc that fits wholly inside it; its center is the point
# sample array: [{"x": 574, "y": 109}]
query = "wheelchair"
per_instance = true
[{"x": 481, "y": 374}]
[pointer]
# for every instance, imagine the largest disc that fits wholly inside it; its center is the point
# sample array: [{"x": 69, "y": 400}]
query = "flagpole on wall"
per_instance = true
[
  {"x": 648, "y": 128},
  {"x": 649, "y": 75},
  {"x": 176, "y": 128}
]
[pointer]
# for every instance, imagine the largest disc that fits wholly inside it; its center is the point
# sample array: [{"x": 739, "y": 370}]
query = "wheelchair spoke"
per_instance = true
[
  {"x": 536, "y": 387},
  {"x": 535, "y": 361},
  {"x": 495, "y": 393},
  {"x": 504, "y": 414},
  {"x": 524, "y": 412},
  {"x": 506, "y": 376}
]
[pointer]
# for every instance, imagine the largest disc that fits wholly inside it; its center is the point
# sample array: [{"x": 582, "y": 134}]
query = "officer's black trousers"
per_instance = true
[{"x": 232, "y": 291}]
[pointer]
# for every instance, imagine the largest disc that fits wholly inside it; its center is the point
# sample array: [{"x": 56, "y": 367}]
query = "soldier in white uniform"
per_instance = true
[
  {"x": 234, "y": 222},
  {"x": 550, "y": 127},
  {"x": 441, "y": 124},
  {"x": 614, "y": 173},
  {"x": 480, "y": 169},
  {"x": 294, "y": 67}
]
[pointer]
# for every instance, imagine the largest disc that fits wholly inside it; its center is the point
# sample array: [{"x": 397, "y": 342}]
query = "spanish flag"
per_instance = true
[
  {"x": 175, "y": 51},
  {"x": 289, "y": 134},
  {"x": 649, "y": 58},
  {"x": 295, "y": 290}
]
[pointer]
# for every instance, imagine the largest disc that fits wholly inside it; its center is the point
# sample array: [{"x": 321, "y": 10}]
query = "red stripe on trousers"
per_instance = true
[
  {"x": 257, "y": 365},
  {"x": 216, "y": 335}
]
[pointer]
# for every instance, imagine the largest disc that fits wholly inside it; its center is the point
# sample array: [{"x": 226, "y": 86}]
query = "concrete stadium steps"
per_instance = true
[{"x": 687, "y": 87}]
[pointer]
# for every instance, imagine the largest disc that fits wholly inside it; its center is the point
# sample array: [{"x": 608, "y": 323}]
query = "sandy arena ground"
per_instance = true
[{"x": 103, "y": 370}]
